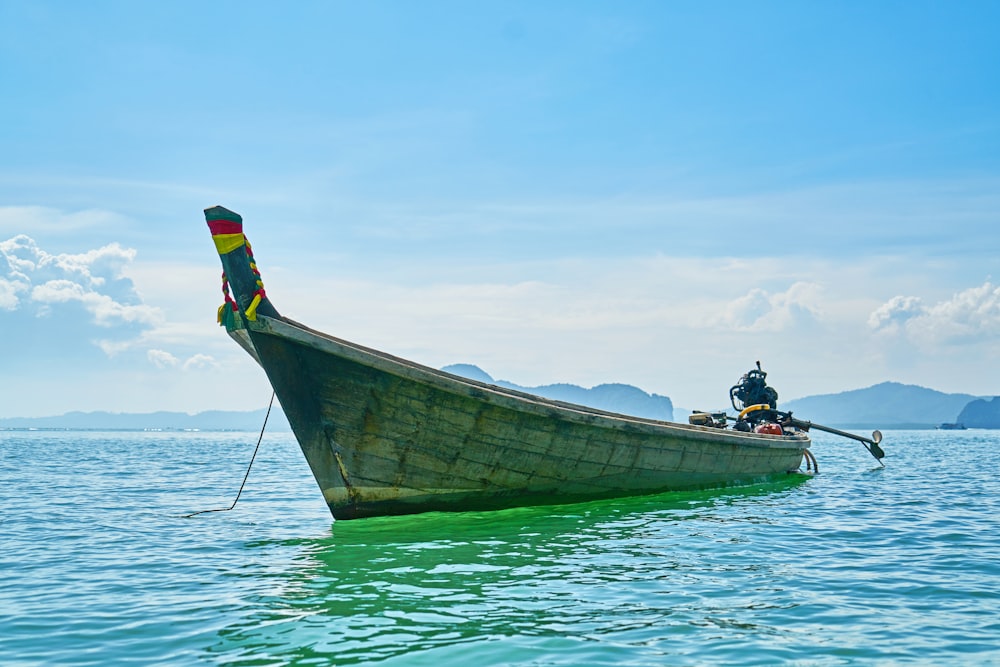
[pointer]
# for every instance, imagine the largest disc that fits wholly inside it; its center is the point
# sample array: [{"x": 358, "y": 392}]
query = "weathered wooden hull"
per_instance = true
[{"x": 385, "y": 436}]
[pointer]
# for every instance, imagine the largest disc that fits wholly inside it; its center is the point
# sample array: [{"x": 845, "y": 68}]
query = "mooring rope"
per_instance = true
[{"x": 240, "y": 492}]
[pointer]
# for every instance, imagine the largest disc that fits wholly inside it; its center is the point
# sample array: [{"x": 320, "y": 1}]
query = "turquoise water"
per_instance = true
[{"x": 858, "y": 565}]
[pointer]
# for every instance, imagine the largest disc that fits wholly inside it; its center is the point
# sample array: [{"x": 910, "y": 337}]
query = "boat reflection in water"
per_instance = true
[{"x": 504, "y": 587}]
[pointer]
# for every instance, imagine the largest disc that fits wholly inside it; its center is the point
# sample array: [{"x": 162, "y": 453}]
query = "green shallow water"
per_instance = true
[{"x": 859, "y": 565}]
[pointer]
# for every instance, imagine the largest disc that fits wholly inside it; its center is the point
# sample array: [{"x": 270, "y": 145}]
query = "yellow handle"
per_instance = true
[{"x": 754, "y": 408}]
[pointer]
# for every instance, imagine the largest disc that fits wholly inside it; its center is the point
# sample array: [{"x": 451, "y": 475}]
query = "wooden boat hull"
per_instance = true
[{"x": 384, "y": 436}]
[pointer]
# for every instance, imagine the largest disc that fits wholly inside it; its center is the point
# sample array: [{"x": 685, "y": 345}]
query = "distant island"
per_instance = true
[
  {"x": 621, "y": 398},
  {"x": 212, "y": 420},
  {"x": 981, "y": 413},
  {"x": 885, "y": 405}
]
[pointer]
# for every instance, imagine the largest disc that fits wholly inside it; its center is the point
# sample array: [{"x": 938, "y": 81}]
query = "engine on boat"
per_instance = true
[
  {"x": 755, "y": 402},
  {"x": 752, "y": 389},
  {"x": 757, "y": 405}
]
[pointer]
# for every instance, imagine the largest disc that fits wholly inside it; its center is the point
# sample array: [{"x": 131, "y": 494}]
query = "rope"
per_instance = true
[
  {"x": 225, "y": 314},
  {"x": 240, "y": 492},
  {"x": 258, "y": 295}
]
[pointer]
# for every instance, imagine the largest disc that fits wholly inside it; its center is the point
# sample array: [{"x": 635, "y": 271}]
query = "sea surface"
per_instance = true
[{"x": 857, "y": 565}]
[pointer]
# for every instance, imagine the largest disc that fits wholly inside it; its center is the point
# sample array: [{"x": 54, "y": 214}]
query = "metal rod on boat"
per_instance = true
[{"x": 871, "y": 444}]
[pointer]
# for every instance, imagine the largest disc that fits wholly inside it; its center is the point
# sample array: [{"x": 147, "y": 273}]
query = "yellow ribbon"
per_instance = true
[
  {"x": 251, "y": 311},
  {"x": 226, "y": 243}
]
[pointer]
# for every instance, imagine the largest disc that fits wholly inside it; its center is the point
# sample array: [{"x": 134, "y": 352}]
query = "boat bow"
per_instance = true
[{"x": 384, "y": 435}]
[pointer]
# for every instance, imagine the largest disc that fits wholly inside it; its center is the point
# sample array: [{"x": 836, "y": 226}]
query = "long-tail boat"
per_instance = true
[{"x": 386, "y": 436}]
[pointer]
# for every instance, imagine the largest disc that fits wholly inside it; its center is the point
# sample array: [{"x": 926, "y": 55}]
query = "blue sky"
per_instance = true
[{"x": 656, "y": 193}]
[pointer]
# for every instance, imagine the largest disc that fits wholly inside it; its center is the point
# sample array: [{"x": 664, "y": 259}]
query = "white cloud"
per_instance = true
[
  {"x": 113, "y": 347},
  {"x": 162, "y": 359},
  {"x": 895, "y": 312},
  {"x": 110, "y": 259},
  {"x": 200, "y": 362},
  {"x": 972, "y": 315},
  {"x": 92, "y": 268},
  {"x": 11, "y": 249},
  {"x": 759, "y": 310},
  {"x": 9, "y": 290},
  {"x": 58, "y": 291},
  {"x": 43, "y": 279},
  {"x": 106, "y": 311}
]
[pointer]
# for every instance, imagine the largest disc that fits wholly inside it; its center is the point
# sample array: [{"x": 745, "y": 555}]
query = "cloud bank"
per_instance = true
[
  {"x": 970, "y": 316},
  {"x": 55, "y": 305},
  {"x": 760, "y": 310},
  {"x": 163, "y": 360},
  {"x": 34, "y": 279}
]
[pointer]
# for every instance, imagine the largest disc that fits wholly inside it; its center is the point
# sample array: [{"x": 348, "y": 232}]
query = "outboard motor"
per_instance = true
[
  {"x": 752, "y": 391},
  {"x": 757, "y": 405}
]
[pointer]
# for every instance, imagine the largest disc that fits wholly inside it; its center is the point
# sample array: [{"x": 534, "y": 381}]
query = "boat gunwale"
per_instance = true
[{"x": 284, "y": 327}]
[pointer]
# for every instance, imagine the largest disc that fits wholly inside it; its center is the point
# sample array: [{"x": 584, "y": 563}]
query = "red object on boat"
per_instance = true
[{"x": 768, "y": 429}]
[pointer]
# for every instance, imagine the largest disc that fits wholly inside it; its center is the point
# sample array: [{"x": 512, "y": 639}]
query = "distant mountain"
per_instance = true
[
  {"x": 885, "y": 405},
  {"x": 213, "y": 420},
  {"x": 469, "y": 371},
  {"x": 889, "y": 404},
  {"x": 981, "y": 413},
  {"x": 621, "y": 398}
]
